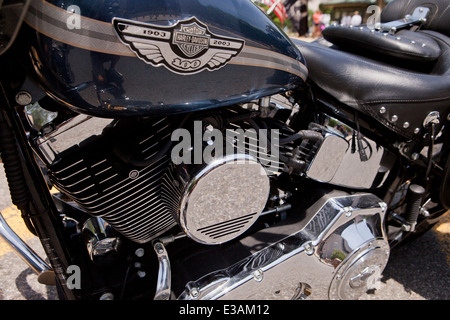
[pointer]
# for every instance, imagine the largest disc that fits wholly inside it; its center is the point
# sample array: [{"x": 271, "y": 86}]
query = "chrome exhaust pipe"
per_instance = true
[{"x": 31, "y": 258}]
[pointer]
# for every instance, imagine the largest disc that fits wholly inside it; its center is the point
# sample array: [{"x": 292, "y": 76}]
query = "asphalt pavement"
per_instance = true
[{"x": 418, "y": 270}]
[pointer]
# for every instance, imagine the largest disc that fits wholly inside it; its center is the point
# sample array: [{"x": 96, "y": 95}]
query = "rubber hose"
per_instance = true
[{"x": 13, "y": 168}]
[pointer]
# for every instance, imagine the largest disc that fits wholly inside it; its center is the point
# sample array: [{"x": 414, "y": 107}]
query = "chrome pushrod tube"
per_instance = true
[
  {"x": 22, "y": 249},
  {"x": 163, "y": 286}
]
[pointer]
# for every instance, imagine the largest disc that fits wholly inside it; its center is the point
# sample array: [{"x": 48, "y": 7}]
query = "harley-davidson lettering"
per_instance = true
[
  {"x": 191, "y": 39},
  {"x": 188, "y": 47}
]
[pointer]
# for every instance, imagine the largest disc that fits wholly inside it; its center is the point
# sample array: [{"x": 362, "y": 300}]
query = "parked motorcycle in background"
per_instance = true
[{"x": 191, "y": 150}]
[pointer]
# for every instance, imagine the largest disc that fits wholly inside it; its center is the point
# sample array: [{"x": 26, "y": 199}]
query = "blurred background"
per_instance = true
[{"x": 306, "y": 18}]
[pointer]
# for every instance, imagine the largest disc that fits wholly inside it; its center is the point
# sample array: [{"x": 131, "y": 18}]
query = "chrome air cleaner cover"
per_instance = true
[{"x": 218, "y": 201}]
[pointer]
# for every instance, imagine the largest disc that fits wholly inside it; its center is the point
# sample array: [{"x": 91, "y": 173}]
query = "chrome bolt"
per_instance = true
[
  {"x": 348, "y": 211},
  {"x": 159, "y": 248},
  {"x": 309, "y": 249},
  {"x": 406, "y": 125},
  {"x": 133, "y": 174},
  {"x": 416, "y": 130},
  {"x": 258, "y": 275},
  {"x": 23, "y": 98},
  {"x": 382, "y": 110},
  {"x": 141, "y": 274},
  {"x": 139, "y": 252},
  {"x": 415, "y": 156},
  {"x": 194, "y": 293},
  {"x": 424, "y": 212},
  {"x": 394, "y": 118}
]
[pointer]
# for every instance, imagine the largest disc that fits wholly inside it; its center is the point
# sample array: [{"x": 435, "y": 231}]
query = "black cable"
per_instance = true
[
  {"x": 430, "y": 150},
  {"x": 124, "y": 283}
]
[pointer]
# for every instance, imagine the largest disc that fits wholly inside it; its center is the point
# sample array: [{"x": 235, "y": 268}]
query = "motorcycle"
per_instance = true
[{"x": 191, "y": 150}]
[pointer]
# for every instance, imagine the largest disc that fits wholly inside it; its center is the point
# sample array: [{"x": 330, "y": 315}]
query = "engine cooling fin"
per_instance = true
[
  {"x": 127, "y": 197},
  {"x": 110, "y": 175}
]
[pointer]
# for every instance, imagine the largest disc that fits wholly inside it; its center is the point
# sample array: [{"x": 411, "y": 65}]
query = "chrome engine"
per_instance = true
[
  {"x": 95, "y": 177},
  {"x": 337, "y": 251},
  {"x": 122, "y": 174}
]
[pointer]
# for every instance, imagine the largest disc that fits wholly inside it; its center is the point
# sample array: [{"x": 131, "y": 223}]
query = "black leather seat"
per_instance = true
[{"x": 398, "y": 79}]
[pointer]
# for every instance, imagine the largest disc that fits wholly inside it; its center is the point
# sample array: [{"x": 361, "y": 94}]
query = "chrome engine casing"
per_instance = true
[
  {"x": 87, "y": 161},
  {"x": 337, "y": 251},
  {"x": 350, "y": 152},
  {"x": 336, "y": 248}
]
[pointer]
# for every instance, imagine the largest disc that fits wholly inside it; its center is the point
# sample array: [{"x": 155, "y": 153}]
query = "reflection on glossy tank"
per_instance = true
[{"x": 130, "y": 57}]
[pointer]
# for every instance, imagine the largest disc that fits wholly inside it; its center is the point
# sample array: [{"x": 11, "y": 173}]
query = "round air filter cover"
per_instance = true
[{"x": 223, "y": 199}]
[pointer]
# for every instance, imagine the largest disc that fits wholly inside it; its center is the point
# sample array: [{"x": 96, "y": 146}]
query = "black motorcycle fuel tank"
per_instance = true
[{"x": 140, "y": 58}]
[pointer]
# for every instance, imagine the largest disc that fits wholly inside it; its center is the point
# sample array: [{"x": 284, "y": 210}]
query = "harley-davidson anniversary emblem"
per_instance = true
[{"x": 187, "y": 47}]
